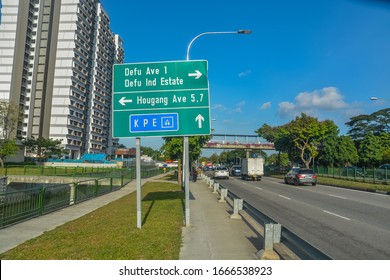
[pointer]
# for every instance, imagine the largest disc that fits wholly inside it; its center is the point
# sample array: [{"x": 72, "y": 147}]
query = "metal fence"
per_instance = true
[
  {"x": 40, "y": 170},
  {"x": 17, "y": 206},
  {"x": 359, "y": 174}
]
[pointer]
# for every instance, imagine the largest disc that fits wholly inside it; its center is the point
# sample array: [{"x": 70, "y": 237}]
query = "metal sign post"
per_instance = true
[
  {"x": 138, "y": 175},
  {"x": 186, "y": 169}
]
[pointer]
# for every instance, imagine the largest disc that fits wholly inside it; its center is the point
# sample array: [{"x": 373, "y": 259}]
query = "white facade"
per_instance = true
[
  {"x": 56, "y": 60},
  {"x": 8, "y": 26}
]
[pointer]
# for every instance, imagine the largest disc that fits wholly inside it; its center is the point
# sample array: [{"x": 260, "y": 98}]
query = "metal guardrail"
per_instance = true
[
  {"x": 303, "y": 249},
  {"x": 298, "y": 245}
]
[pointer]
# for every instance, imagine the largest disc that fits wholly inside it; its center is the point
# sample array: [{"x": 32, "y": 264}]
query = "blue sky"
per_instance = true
[{"x": 325, "y": 58}]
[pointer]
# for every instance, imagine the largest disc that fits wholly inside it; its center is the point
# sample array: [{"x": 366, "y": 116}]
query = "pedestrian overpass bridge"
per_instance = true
[{"x": 233, "y": 141}]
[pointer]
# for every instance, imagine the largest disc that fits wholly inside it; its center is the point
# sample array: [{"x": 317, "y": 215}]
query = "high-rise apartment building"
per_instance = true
[{"x": 56, "y": 61}]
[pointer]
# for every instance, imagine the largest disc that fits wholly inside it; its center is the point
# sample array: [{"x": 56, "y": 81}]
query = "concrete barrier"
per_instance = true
[
  {"x": 224, "y": 193},
  {"x": 272, "y": 234},
  {"x": 216, "y": 187},
  {"x": 238, "y": 205}
]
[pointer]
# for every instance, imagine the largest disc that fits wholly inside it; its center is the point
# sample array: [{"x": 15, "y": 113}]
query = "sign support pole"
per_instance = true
[
  {"x": 186, "y": 168},
  {"x": 138, "y": 175}
]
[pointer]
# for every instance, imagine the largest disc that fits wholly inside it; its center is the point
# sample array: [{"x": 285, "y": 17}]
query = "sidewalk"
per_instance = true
[{"x": 212, "y": 235}]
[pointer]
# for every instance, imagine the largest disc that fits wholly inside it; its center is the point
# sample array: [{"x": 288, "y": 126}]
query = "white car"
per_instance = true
[{"x": 221, "y": 172}]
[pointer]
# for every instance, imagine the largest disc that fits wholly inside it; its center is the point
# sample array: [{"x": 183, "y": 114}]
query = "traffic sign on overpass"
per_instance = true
[{"x": 161, "y": 99}]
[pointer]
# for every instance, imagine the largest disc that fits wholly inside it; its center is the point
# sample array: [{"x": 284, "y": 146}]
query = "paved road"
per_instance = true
[{"x": 345, "y": 224}]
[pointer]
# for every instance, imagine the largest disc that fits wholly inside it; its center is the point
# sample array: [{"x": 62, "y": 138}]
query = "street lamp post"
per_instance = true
[
  {"x": 186, "y": 161},
  {"x": 214, "y": 33}
]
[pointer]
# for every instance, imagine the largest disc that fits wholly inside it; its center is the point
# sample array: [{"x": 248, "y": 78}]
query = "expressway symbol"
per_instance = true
[
  {"x": 167, "y": 122},
  {"x": 154, "y": 122}
]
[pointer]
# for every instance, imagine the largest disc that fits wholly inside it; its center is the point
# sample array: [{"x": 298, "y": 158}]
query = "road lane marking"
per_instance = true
[
  {"x": 285, "y": 197},
  {"x": 332, "y": 195},
  {"x": 259, "y": 188},
  {"x": 342, "y": 217}
]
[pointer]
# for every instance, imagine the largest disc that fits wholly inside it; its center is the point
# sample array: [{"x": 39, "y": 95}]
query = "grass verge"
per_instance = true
[
  {"x": 353, "y": 184},
  {"x": 111, "y": 233}
]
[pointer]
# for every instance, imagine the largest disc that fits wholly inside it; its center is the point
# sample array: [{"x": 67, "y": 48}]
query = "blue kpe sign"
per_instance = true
[{"x": 154, "y": 122}]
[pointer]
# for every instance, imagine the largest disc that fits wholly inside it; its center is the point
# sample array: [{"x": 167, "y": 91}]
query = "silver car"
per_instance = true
[
  {"x": 301, "y": 176},
  {"x": 221, "y": 172}
]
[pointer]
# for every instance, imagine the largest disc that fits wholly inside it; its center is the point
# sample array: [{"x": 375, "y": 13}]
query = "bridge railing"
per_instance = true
[{"x": 238, "y": 145}]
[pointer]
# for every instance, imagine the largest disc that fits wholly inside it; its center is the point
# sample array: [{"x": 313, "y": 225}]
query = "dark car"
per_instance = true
[
  {"x": 235, "y": 170},
  {"x": 300, "y": 176},
  {"x": 383, "y": 172},
  {"x": 352, "y": 171}
]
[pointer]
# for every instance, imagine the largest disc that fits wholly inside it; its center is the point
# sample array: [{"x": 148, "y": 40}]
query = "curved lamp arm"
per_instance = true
[{"x": 214, "y": 32}]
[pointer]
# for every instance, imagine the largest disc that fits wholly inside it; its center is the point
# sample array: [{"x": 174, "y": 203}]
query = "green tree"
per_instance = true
[
  {"x": 173, "y": 147},
  {"x": 371, "y": 150},
  {"x": 328, "y": 151},
  {"x": 385, "y": 143},
  {"x": 10, "y": 117},
  {"x": 346, "y": 152},
  {"x": 223, "y": 157},
  {"x": 44, "y": 147},
  {"x": 382, "y": 120},
  {"x": 301, "y": 136},
  {"x": 7, "y": 148},
  {"x": 155, "y": 154},
  {"x": 338, "y": 151},
  {"x": 277, "y": 135},
  {"x": 376, "y": 123},
  {"x": 214, "y": 158},
  {"x": 278, "y": 159}
]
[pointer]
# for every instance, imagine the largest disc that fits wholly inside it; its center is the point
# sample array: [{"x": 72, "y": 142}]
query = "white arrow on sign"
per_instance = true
[
  {"x": 197, "y": 74},
  {"x": 123, "y": 101},
  {"x": 199, "y": 119}
]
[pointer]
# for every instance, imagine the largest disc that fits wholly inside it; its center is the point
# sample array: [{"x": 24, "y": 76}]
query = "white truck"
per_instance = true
[{"x": 252, "y": 168}]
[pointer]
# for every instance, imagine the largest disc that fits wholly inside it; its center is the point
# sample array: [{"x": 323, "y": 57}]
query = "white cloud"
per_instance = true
[
  {"x": 287, "y": 109},
  {"x": 218, "y": 107},
  {"x": 328, "y": 99},
  {"x": 266, "y": 105},
  {"x": 313, "y": 103},
  {"x": 239, "y": 106},
  {"x": 244, "y": 73}
]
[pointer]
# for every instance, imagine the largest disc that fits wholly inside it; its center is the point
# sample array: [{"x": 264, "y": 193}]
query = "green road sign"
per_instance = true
[{"x": 161, "y": 99}]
